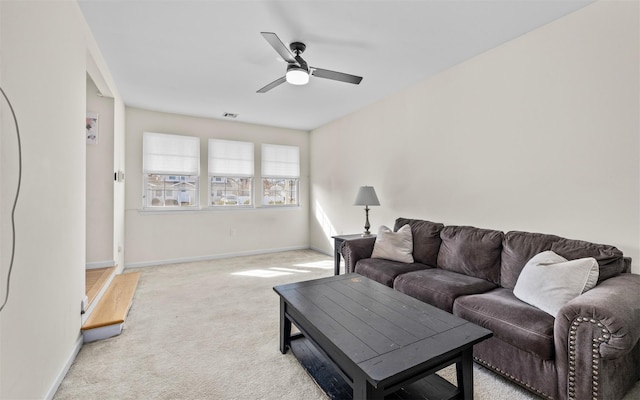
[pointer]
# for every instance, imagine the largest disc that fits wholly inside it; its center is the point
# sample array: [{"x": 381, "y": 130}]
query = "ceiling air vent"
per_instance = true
[{"x": 230, "y": 115}]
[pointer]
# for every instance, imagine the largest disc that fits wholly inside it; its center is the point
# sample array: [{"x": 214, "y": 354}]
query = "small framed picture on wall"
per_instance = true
[{"x": 92, "y": 128}]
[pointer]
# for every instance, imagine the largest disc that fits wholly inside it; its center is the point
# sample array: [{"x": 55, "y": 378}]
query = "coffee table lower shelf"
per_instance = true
[{"x": 323, "y": 372}]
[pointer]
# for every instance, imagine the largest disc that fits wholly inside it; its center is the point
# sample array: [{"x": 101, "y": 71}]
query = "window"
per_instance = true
[
  {"x": 171, "y": 166},
  {"x": 280, "y": 175},
  {"x": 230, "y": 173}
]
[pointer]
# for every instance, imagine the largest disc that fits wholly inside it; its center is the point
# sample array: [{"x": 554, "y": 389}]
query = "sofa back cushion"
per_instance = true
[
  {"x": 471, "y": 251},
  {"x": 609, "y": 258},
  {"x": 426, "y": 239},
  {"x": 519, "y": 247}
]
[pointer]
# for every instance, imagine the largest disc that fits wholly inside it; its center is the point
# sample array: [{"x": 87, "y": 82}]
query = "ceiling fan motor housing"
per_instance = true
[
  {"x": 291, "y": 67},
  {"x": 297, "y": 47}
]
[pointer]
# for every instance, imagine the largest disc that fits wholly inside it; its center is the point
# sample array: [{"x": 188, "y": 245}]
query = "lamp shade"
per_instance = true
[{"x": 366, "y": 197}]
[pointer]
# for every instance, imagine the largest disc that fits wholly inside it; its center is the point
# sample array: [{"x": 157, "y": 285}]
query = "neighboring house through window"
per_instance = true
[
  {"x": 280, "y": 175},
  {"x": 171, "y": 167},
  {"x": 231, "y": 173}
]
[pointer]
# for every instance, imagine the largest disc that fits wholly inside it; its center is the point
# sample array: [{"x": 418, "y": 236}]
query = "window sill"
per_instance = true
[{"x": 147, "y": 211}]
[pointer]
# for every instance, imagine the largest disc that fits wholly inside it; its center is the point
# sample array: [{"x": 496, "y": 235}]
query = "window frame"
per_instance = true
[
  {"x": 230, "y": 192},
  {"x": 164, "y": 197},
  {"x": 232, "y": 160},
  {"x": 285, "y": 203},
  {"x": 280, "y": 163},
  {"x": 178, "y": 167}
]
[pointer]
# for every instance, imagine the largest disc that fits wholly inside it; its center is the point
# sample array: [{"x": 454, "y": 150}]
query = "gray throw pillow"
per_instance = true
[
  {"x": 548, "y": 281},
  {"x": 395, "y": 246}
]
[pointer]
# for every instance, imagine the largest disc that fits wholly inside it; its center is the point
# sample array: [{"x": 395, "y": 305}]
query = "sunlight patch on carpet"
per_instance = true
[
  {"x": 262, "y": 273},
  {"x": 291, "y": 270},
  {"x": 328, "y": 264}
]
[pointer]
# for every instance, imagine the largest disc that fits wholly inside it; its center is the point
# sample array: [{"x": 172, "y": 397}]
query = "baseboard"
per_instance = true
[
  {"x": 323, "y": 251},
  {"x": 100, "y": 264},
  {"x": 212, "y": 257},
  {"x": 65, "y": 368},
  {"x": 104, "y": 332}
]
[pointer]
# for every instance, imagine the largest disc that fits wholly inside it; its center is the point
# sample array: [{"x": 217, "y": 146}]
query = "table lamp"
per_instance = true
[{"x": 366, "y": 197}]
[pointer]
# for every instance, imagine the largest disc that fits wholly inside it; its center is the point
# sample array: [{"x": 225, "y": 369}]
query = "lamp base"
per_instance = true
[{"x": 366, "y": 224}]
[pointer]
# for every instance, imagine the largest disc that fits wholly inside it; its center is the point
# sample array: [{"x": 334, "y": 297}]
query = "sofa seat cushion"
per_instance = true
[
  {"x": 385, "y": 271},
  {"x": 439, "y": 287},
  {"x": 515, "y": 322}
]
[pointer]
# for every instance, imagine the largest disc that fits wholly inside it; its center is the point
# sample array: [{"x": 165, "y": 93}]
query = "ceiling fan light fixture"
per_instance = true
[{"x": 297, "y": 75}]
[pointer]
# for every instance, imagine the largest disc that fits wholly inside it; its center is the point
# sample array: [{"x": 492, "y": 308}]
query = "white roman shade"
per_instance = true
[
  {"x": 230, "y": 158},
  {"x": 165, "y": 154},
  {"x": 280, "y": 161}
]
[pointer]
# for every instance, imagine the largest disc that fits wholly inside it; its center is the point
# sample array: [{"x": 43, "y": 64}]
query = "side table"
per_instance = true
[{"x": 337, "y": 246}]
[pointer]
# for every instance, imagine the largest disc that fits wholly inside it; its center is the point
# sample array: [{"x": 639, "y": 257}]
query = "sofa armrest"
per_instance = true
[
  {"x": 599, "y": 325},
  {"x": 615, "y": 304},
  {"x": 356, "y": 249},
  {"x": 627, "y": 264}
]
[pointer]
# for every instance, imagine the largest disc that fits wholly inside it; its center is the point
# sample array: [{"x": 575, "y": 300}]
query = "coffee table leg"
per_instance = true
[
  {"x": 363, "y": 390},
  {"x": 285, "y": 328},
  {"x": 464, "y": 371}
]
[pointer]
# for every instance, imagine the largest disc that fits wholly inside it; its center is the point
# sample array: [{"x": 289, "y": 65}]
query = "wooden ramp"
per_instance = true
[
  {"x": 107, "y": 319},
  {"x": 95, "y": 279}
]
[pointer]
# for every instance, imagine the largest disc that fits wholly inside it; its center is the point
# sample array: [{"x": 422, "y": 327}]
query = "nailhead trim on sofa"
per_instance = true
[
  {"x": 511, "y": 377},
  {"x": 595, "y": 363}
]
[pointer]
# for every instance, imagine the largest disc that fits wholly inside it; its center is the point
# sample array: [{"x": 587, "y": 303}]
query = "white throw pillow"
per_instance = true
[
  {"x": 395, "y": 246},
  {"x": 548, "y": 281}
]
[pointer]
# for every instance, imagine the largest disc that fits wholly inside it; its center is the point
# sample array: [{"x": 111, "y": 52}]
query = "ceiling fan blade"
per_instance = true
[
  {"x": 278, "y": 46},
  {"x": 336, "y": 76},
  {"x": 272, "y": 85}
]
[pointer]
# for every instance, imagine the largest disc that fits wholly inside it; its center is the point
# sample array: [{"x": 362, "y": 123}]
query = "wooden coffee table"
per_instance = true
[{"x": 363, "y": 340}]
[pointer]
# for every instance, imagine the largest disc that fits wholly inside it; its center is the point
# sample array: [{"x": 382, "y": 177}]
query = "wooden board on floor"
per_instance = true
[
  {"x": 95, "y": 279},
  {"x": 114, "y": 305}
]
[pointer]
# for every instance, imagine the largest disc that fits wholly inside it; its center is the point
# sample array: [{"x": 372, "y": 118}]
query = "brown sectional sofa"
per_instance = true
[{"x": 590, "y": 350}]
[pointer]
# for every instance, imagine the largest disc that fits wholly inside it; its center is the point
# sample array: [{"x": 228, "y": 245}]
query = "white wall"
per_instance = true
[
  {"x": 111, "y": 107},
  {"x": 160, "y": 237},
  {"x": 100, "y": 182},
  {"x": 43, "y": 72},
  {"x": 119, "y": 157},
  {"x": 44, "y": 48},
  {"x": 540, "y": 134}
]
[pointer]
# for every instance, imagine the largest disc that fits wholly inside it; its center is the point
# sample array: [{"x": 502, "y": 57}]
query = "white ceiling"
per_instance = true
[{"x": 207, "y": 57}]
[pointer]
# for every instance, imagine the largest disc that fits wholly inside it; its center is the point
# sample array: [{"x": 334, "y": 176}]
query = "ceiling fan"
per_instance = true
[{"x": 298, "y": 71}]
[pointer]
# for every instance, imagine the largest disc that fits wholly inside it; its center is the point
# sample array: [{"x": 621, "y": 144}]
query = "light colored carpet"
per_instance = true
[{"x": 209, "y": 330}]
